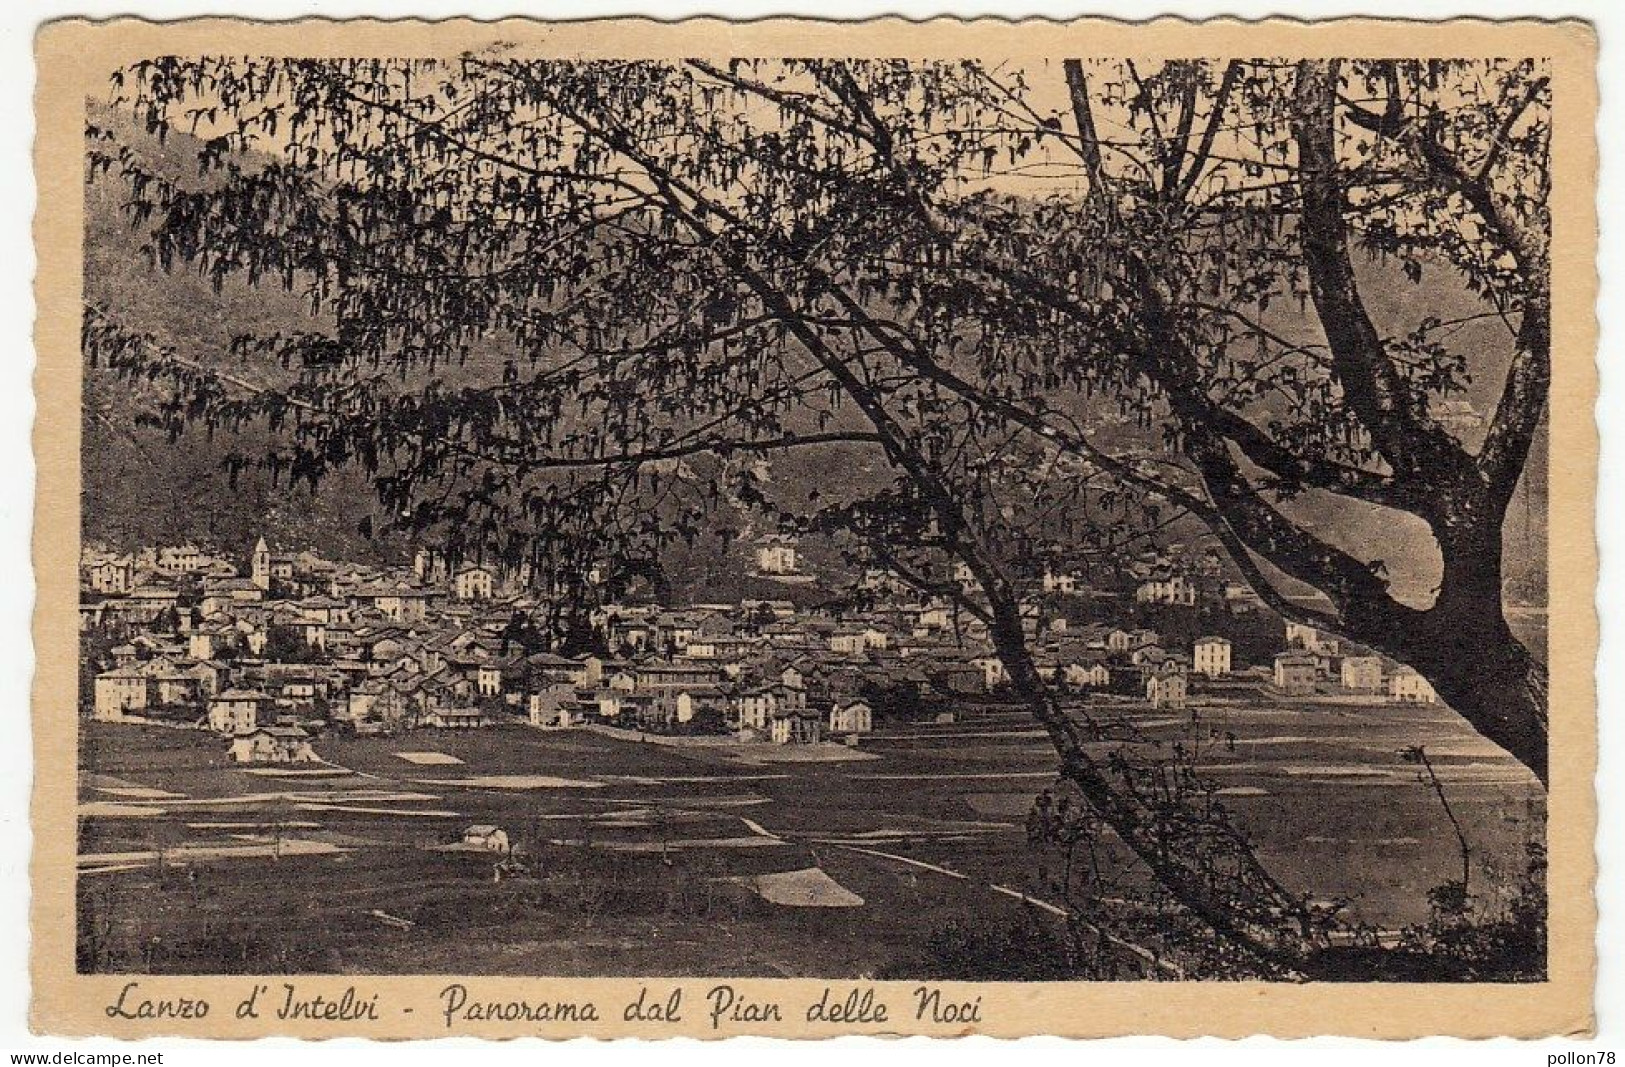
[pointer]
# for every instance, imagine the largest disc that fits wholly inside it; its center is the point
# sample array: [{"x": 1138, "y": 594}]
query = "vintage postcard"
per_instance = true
[{"x": 791, "y": 528}]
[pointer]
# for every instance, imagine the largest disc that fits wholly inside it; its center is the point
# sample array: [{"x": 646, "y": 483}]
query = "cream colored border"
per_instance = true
[{"x": 71, "y": 53}]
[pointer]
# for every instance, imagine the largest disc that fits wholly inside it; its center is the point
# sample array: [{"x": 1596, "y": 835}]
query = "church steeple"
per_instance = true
[{"x": 261, "y": 573}]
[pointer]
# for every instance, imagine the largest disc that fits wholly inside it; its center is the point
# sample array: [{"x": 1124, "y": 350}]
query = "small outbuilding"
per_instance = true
[
  {"x": 490, "y": 838},
  {"x": 272, "y": 744}
]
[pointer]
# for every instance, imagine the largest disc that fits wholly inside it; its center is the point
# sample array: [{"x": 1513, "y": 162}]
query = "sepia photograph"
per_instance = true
[{"x": 929, "y": 515}]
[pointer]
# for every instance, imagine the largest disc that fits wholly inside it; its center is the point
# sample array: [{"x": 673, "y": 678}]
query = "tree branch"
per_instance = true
[
  {"x": 1077, "y": 89},
  {"x": 1502, "y": 456},
  {"x": 1227, "y": 85},
  {"x": 1416, "y": 448}
]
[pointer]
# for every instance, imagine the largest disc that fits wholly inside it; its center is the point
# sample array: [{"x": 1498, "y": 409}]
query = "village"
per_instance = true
[
  {"x": 272, "y": 655},
  {"x": 332, "y": 765}
]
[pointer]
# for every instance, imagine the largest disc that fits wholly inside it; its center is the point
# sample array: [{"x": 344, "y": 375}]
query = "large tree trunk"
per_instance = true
[
  {"x": 1465, "y": 647},
  {"x": 1485, "y": 674},
  {"x": 1462, "y": 645}
]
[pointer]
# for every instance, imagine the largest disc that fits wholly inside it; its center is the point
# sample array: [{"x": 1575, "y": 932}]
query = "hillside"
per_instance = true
[{"x": 141, "y": 488}]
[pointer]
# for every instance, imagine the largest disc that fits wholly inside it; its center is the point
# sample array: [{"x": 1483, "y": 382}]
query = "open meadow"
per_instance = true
[{"x": 646, "y": 858}]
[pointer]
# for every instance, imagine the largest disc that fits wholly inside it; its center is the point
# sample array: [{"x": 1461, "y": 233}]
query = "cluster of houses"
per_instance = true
[
  {"x": 300, "y": 643},
  {"x": 1316, "y": 663}
]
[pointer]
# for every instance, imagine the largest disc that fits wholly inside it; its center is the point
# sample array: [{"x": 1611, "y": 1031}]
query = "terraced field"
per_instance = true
[{"x": 651, "y": 858}]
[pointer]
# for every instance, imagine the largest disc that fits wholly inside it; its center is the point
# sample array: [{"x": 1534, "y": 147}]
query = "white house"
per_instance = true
[
  {"x": 1408, "y": 687},
  {"x": 776, "y": 554},
  {"x": 1166, "y": 687},
  {"x": 1091, "y": 673},
  {"x": 429, "y": 566},
  {"x": 112, "y": 575},
  {"x": 236, "y": 711},
  {"x": 181, "y": 559},
  {"x": 848, "y": 642},
  {"x": 120, "y": 691},
  {"x": 1306, "y": 637},
  {"x": 552, "y": 707},
  {"x": 488, "y": 679},
  {"x": 1211, "y": 656},
  {"x": 795, "y": 727},
  {"x": 272, "y": 744},
  {"x": 1296, "y": 673},
  {"x": 455, "y": 718},
  {"x": 1120, "y": 640},
  {"x": 1362, "y": 674},
  {"x": 754, "y": 709},
  {"x": 1062, "y": 582},
  {"x": 208, "y": 642},
  {"x": 993, "y": 670},
  {"x": 1172, "y": 589},
  {"x": 473, "y": 582},
  {"x": 851, "y": 717},
  {"x": 399, "y": 604}
]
